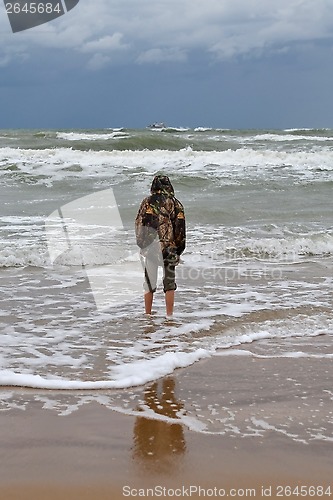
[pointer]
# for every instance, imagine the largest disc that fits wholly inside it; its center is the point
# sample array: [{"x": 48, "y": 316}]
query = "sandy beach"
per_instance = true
[
  {"x": 234, "y": 393},
  {"x": 98, "y": 453}
]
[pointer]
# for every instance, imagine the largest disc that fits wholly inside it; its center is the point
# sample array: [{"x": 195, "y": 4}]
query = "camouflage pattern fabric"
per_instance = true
[{"x": 161, "y": 217}]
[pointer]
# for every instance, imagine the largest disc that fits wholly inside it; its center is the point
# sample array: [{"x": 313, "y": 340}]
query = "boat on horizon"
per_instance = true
[{"x": 157, "y": 125}]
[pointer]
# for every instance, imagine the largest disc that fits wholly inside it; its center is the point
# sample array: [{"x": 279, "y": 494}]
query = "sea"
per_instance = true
[{"x": 255, "y": 279}]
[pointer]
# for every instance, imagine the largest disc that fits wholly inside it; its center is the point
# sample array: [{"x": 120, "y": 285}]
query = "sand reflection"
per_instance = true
[{"x": 158, "y": 444}]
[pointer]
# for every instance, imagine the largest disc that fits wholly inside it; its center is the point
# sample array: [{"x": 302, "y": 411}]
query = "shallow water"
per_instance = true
[{"x": 258, "y": 264}]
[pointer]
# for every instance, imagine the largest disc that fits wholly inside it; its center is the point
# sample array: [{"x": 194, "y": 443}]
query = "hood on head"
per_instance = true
[{"x": 162, "y": 184}]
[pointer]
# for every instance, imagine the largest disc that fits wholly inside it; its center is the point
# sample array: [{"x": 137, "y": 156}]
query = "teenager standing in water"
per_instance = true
[{"x": 161, "y": 236}]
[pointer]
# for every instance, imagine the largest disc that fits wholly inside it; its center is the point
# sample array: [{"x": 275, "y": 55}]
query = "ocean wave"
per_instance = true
[
  {"x": 286, "y": 138},
  {"x": 126, "y": 375},
  {"x": 242, "y": 243},
  {"x": 200, "y": 138},
  {"x": 203, "y": 129},
  {"x": 77, "y": 136},
  {"x": 81, "y": 253},
  {"x": 175, "y": 129},
  {"x": 90, "y": 248},
  {"x": 22, "y": 257},
  {"x": 159, "y": 355},
  {"x": 242, "y": 165},
  {"x": 310, "y": 245},
  {"x": 305, "y": 129},
  {"x": 280, "y": 355}
]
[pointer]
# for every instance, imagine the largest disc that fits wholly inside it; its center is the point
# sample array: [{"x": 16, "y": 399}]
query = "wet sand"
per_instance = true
[{"x": 98, "y": 453}]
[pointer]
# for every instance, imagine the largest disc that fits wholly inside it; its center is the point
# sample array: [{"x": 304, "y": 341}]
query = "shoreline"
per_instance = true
[
  {"x": 95, "y": 451},
  {"x": 76, "y": 463}
]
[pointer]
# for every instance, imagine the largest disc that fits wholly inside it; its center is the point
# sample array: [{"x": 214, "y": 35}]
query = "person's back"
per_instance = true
[{"x": 161, "y": 236}]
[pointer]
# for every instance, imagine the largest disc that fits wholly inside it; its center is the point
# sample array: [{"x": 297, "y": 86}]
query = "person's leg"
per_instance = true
[
  {"x": 148, "y": 302},
  {"x": 151, "y": 270},
  {"x": 169, "y": 285},
  {"x": 169, "y": 301}
]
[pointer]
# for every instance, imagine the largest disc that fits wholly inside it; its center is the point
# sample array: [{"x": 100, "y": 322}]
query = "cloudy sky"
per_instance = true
[{"x": 127, "y": 63}]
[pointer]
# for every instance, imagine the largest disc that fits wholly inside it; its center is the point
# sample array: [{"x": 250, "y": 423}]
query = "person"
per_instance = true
[{"x": 161, "y": 237}]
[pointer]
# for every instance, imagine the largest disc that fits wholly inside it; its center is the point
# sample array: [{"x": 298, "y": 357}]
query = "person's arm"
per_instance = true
[
  {"x": 145, "y": 225},
  {"x": 139, "y": 227},
  {"x": 179, "y": 227}
]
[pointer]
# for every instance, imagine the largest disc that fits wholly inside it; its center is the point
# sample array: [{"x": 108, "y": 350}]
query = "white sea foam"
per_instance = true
[
  {"x": 76, "y": 136},
  {"x": 269, "y": 427},
  {"x": 305, "y": 129},
  {"x": 287, "y": 354},
  {"x": 310, "y": 244},
  {"x": 178, "y": 129},
  {"x": 286, "y": 138},
  {"x": 260, "y": 243},
  {"x": 281, "y": 245},
  {"x": 126, "y": 375},
  {"x": 62, "y": 163},
  {"x": 93, "y": 245},
  {"x": 136, "y": 361}
]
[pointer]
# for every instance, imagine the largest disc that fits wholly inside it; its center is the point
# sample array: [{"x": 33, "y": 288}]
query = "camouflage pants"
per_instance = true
[{"x": 151, "y": 272}]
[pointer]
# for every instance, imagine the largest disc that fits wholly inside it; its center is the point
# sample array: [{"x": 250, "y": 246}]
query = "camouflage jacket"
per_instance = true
[{"x": 161, "y": 216}]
